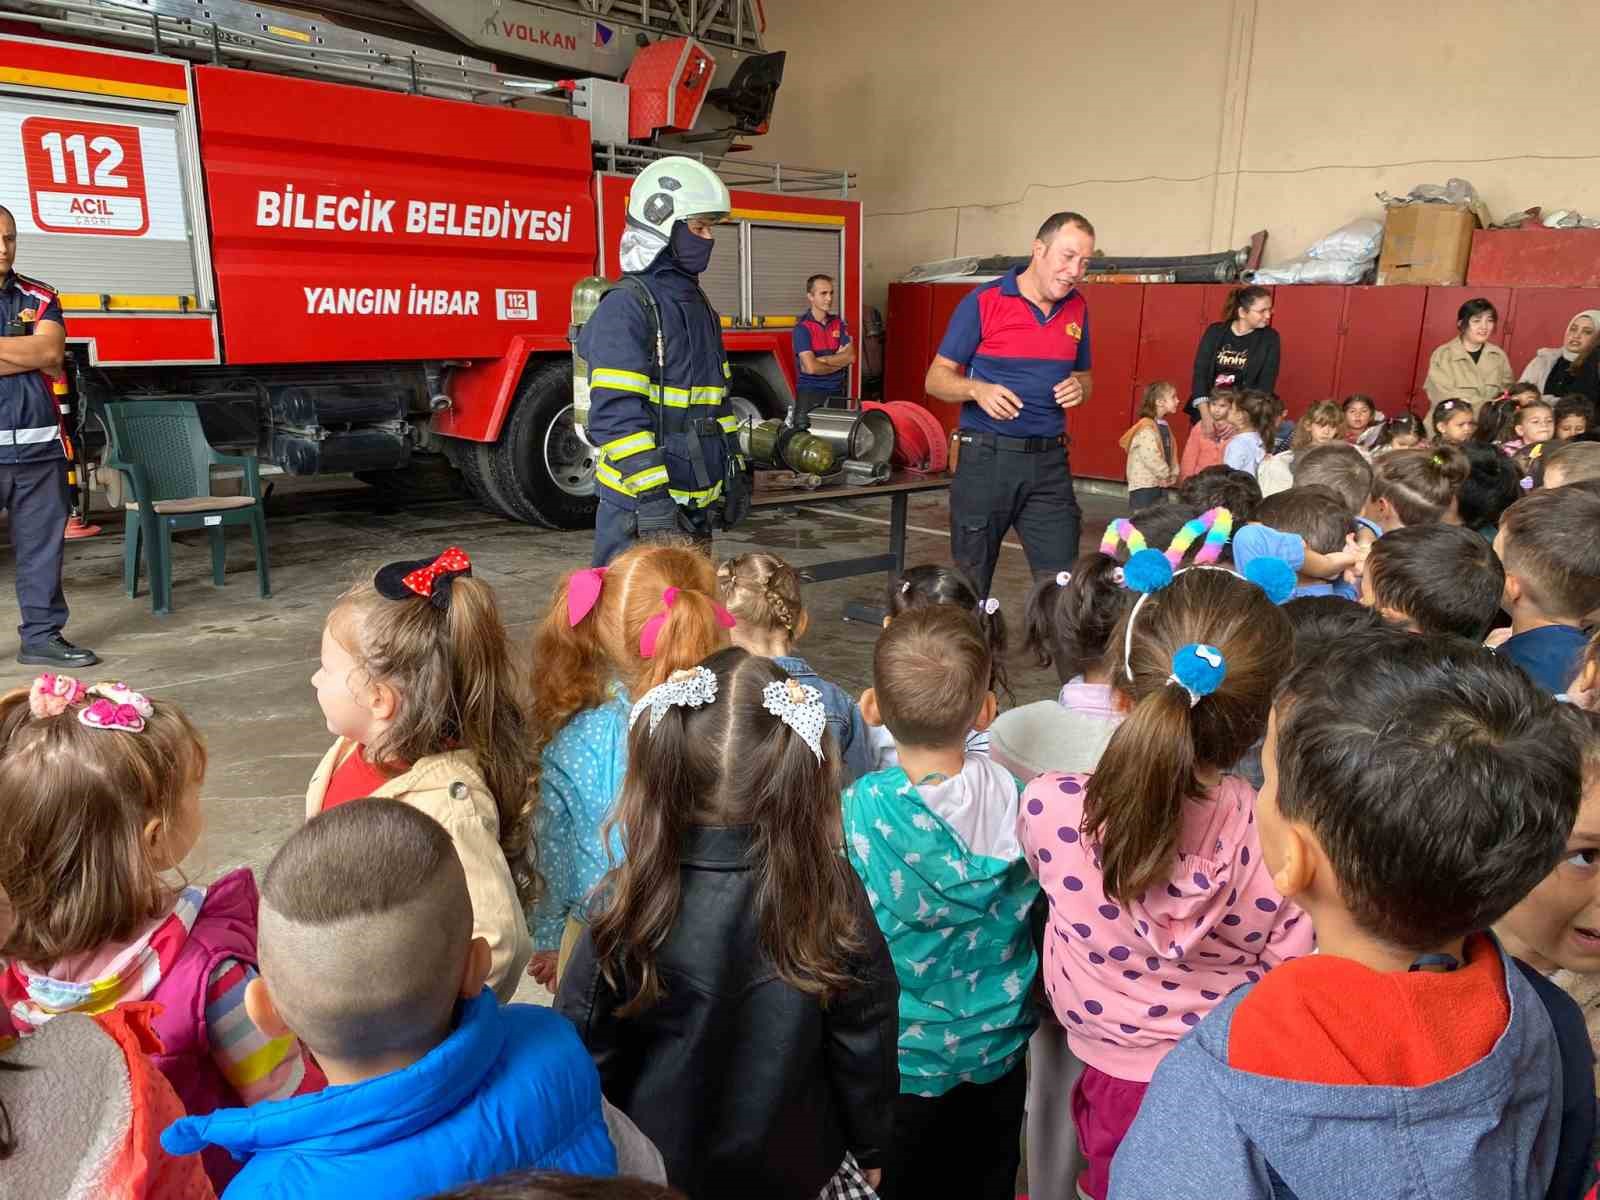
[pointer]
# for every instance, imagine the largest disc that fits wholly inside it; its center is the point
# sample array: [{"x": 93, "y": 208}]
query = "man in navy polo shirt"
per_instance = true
[
  {"x": 1015, "y": 357},
  {"x": 823, "y": 350},
  {"x": 33, "y": 466}
]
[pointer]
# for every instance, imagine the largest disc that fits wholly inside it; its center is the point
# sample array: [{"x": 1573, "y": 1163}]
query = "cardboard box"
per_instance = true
[
  {"x": 1426, "y": 244},
  {"x": 1535, "y": 257}
]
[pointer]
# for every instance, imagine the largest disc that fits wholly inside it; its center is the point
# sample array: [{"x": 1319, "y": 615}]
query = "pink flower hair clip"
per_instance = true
[
  {"x": 116, "y": 706},
  {"x": 51, "y": 695}
]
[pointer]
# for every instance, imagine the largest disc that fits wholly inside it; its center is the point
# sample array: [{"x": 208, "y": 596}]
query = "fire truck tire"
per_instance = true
[
  {"x": 540, "y": 470},
  {"x": 752, "y": 397}
]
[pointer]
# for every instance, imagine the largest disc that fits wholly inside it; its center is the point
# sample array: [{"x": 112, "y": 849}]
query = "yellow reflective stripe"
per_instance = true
[
  {"x": 729, "y": 424},
  {"x": 650, "y": 477},
  {"x": 633, "y": 443},
  {"x": 707, "y": 395},
  {"x": 620, "y": 381},
  {"x": 630, "y": 485},
  {"x": 700, "y": 498},
  {"x": 677, "y": 397},
  {"x": 727, "y": 371}
]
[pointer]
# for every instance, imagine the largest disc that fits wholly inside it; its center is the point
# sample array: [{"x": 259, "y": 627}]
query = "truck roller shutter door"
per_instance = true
[
  {"x": 781, "y": 258},
  {"x": 100, "y": 196},
  {"x": 721, "y": 279}
]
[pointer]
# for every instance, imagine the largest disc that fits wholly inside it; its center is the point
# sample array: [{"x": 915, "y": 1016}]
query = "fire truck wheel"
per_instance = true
[
  {"x": 751, "y": 397},
  {"x": 540, "y": 469}
]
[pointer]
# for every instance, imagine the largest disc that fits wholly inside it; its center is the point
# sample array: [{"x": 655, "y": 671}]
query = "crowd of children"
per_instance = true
[{"x": 1292, "y": 889}]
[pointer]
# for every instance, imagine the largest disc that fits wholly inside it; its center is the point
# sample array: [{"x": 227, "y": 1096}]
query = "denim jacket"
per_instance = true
[{"x": 844, "y": 718}]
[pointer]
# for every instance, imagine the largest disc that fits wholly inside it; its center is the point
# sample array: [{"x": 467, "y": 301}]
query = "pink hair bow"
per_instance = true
[
  {"x": 116, "y": 706},
  {"x": 583, "y": 593},
  {"x": 652, "y": 628},
  {"x": 51, "y": 695}
]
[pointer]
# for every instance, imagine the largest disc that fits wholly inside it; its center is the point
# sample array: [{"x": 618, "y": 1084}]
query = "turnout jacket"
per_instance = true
[{"x": 677, "y": 433}]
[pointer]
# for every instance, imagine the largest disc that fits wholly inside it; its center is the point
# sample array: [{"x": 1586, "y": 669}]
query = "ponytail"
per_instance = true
[
  {"x": 1134, "y": 804},
  {"x": 570, "y": 670},
  {"x": 1069, "y": 625},
  {"x": 491, "y": 721},
  {"x": 920, "y": 587},
  {"x": 1421, "y": 483},
  {"x": 1133, "y": 807}
]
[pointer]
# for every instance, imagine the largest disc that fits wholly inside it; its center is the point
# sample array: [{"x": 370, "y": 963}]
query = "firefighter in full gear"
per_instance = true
[
  {"x": 33, "y": 463},
  {"x": 669, "y": 458}
]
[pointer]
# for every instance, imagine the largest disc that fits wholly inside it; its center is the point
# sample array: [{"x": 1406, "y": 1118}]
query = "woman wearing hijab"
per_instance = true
[{"x": 1571, "y": 366}]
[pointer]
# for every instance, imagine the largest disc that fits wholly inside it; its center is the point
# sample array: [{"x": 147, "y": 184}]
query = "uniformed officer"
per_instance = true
[
  {"x": 1016, "y": 357},
  {"x": 823, "y": 348},
  {"x": 33, "y": 468},
  {"x": 669, "y": 459}
]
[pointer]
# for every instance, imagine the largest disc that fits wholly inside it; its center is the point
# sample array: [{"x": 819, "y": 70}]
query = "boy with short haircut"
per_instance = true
[
  {"x": 1416, "y": 789},
  {"x": 934, "y": 839},
  {"x": 1574, "y": 416},
  {"x": 1315, "y": 517},
  {"x": 366, "y": 948},
  {"x": 1548, "y": 542},
  {"x": 1573, "y": 462},
  {"x": 1343, "y": 470},
  {"x": 1435, "y": 579}
]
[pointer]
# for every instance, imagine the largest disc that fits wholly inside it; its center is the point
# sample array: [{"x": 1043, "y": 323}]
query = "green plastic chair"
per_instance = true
[{"x": 161, "y": 447}]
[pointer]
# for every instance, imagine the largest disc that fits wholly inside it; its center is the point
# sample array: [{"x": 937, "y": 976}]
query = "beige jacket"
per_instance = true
[
  {"x": 1453, "y": 375},
  {"x": 450, "y": 789},
  {"x": 1148, "y": 466}
]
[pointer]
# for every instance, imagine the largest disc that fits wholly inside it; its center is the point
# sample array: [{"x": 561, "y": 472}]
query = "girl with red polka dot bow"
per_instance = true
[
  {"x": 1159, "y": 902},
  {"x": 417, "y": 683}
]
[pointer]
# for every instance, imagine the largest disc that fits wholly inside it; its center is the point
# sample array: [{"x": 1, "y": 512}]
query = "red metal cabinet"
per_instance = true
[
  {"x": 906, "y": 334},
  {"x": 1539, "y": 318},
  {"x": 1378, "y": 350},
  {"x": 1439, "y": 326},
  {"x": 1115, "y": 313},
  {"x": 1308, "y": 320}
]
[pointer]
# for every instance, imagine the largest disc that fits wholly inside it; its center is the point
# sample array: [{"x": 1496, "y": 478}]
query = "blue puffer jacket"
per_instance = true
[{"x": 510, "y": 1088}]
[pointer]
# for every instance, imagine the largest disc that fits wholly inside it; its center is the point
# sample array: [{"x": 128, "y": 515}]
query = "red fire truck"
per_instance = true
[{"x": 357, "y": 250}]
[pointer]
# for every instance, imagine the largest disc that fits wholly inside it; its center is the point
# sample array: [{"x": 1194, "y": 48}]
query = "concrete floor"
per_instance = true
[{"x": 241, "y": 666}]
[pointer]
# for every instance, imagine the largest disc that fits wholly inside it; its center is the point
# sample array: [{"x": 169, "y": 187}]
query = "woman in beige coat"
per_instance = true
[{"x": 1469, "y": 366}]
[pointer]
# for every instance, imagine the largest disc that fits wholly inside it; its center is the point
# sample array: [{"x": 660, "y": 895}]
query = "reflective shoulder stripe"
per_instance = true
[
  {"x": 621, "y": 381},
  {"x": 633, "y": 443},
  {"x": 29, "y": 437}
]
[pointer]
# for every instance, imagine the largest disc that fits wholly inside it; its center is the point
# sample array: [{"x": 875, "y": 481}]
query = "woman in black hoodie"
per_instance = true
[{"x": 1240, "y": 351}]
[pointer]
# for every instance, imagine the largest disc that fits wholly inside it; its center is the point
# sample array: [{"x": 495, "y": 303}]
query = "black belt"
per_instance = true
[{"x": 1028, "y": 445}]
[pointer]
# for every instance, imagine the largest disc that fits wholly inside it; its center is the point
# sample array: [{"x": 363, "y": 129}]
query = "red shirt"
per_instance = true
[{"x": 354, "y": 779}]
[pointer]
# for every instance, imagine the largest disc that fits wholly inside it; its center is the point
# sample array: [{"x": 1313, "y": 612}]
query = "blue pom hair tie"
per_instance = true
[
  {"x": 1147, "y": 571},
  {"x": 1198, "y": 669}
]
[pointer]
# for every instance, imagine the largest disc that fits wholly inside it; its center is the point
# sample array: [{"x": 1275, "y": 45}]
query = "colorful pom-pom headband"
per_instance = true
[{"x": 1150, "y": 570}]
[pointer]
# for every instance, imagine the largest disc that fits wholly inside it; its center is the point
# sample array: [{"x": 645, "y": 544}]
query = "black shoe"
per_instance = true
[{"x": 56, "y": 651}]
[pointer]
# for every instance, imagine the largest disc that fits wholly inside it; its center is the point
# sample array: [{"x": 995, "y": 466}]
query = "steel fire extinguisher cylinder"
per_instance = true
[
  {"x": 586, "y": 296},
  {"x": 775, "y": 444}
]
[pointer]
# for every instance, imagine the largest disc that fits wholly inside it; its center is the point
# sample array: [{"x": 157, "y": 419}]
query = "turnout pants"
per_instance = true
[
  {"x": 617, "y": 528},
  {"x": 1002, "y": 483},
  {"x": 34, "y": 495}
]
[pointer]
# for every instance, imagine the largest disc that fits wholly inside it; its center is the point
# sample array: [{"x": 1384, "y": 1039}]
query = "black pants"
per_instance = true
[
  {"x": 35, "y": 496},
  {"x": 616, "y": 528},
  {"x": 1139, "y": 498},
  {"x": 995, "y": 490},
  {"x": 966, "y": 1143}
]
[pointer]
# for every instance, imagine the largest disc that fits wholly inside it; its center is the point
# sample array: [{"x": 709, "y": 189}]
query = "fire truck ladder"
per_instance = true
[
  {"x": 227, "y": 31},
  {"x": 275, "y": 39}
]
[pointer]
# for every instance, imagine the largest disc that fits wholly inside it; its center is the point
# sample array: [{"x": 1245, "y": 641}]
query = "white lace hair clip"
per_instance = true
[
  {"x": 799, "y": 706},
  {"x": 693, "y": 688}
]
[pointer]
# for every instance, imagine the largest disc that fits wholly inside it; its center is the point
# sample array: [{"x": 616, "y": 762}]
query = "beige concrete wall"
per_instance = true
[{"x": 1177, "y": 127}]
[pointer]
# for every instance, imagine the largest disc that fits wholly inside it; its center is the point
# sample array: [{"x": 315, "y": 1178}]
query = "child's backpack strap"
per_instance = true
[{"x": 1575, "y": 1167}]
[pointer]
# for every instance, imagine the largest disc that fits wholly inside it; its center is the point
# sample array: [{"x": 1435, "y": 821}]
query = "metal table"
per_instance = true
[{"x": 897, "y": 490}]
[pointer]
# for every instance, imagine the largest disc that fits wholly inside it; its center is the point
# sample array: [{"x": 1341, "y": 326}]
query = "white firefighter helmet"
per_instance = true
[{"x": 674, "y": 189}]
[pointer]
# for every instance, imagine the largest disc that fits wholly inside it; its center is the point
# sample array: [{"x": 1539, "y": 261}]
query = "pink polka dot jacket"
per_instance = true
[{"x": 1128, "y": 981}]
